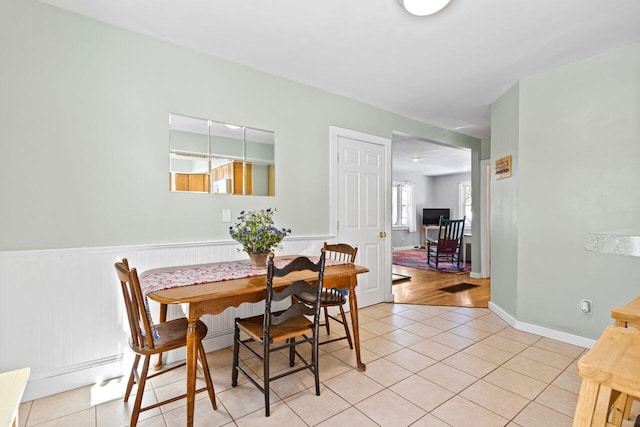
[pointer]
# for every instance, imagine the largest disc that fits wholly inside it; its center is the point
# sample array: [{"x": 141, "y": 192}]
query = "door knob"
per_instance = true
[{"x": 383, "y": 234}]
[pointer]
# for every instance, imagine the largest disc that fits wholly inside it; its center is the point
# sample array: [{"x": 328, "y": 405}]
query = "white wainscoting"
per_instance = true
[{"x": 62, "y": 315}]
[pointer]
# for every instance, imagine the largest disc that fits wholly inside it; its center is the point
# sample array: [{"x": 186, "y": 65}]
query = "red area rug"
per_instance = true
[{"x": 417, "y": 258}]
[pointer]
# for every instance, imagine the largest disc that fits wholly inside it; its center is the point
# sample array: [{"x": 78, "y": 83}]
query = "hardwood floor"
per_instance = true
[{"x": 423, "y": 288}]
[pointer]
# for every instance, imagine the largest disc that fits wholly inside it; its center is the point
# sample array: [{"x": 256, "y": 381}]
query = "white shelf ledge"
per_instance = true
[{"x": 619, "y": 242}]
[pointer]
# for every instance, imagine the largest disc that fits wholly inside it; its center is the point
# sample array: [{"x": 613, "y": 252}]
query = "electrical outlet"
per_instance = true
[{"x": 585, "y": 306}]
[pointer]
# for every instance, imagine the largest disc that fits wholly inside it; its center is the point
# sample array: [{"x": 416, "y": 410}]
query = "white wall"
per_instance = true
[
  {"x": 577, "y": 170},
  {"x": 446, "y": 192}
]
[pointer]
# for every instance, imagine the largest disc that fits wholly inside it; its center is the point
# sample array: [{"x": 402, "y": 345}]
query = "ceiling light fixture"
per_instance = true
[
  {"x": 415, "y": 158},
  {"x": 423, "y": 7}
]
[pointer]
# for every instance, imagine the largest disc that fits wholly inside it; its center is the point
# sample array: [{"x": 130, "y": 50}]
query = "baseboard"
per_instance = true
[
  {"x": 542, "y": 330},
  {"x": 404, "y": 248},
  {"x": 476, "y": 275},
  {"x": 99, "y": 371}
]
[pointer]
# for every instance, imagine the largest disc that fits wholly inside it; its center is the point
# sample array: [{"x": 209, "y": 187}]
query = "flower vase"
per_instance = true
[{"x": 258, "y": 259}]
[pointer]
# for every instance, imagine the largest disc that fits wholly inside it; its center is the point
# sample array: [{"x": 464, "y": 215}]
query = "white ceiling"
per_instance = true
[
  {"x": 432, "y": 159},
  {"x": 445, "y": 69}
]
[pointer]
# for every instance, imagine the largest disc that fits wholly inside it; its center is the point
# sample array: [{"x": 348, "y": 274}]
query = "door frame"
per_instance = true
[{"x": 334, "y": 133}]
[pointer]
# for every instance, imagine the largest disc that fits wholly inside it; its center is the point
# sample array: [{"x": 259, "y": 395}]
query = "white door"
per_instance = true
[{"x": 361, "y": 210}]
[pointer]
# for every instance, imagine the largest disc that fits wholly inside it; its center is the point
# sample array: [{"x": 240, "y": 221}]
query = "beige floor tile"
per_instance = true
[
  {"x": 452, "y": 340},
  {"x": 456, "y": 317},
  {"x": 533, "y": 369},
  {"x": 86, "y": 418},
  {"x": 448, "y": 377},
  {"x": 350, "y": 417},
  {"x": 348, "y": 357},
  {"x": 558, "y": 399},
  {"x": 521, "y": 336},
  {"x": 505, "y": 344},
  {"x": 534, "y": 414},
  {"x": 118, "y": 413},
  {"x": 243, "y": 400},
  {"x": 330, "y": 366},
  {"x": 416, "y": 315},
  {"x": 381, "y": 346},
  {"x": 176, "y": 389},
  {"x": 389, "y": 308},
  {"x": 569, "y": 381},
  {"x": 422, "y": 330},
  {"x": 422, "y": 392},
  {"x": 281, "y": 415},
  {"x": 386, "y": 372},
  {"x": 433, "y": 349},
  {"x": 488, "y": 353},
  {"x": 483, "y": 325},
  {"x": 157, "y": 421},
  {"x": 496, "y": 399},
  {"x": 410, "y": 360},
  {"x": 402, "y": 337},
  {"x": 440, "y": 323},
  {"x": 219, "y": 358},
  {"x": 203, "y": 415},
  {"x": 470, "y": 364},
  {"x": 23, "y": 413},
  {"x": 59, "y": 405},
  {"x": 373, "y": 312},
  {"x": 547, "y": 357},
  {"x": 518, "y": 383},
  {"x": 397, "y": 320},
  {"x": 470, "y": 332},
  {"x": 434, "y": 310},
  {"x": 459, "y": 412},
  {"x": 292, "y": 384},
  {"x": 353, "y": 386},
  {"x": 377, "y": 407},
  {"x": 569, "y": 350},
  {"x": 493, "y": 318},
  {"x": 429, "y": 421},
  {"x": 315, "y": 409},
  {"x": 378, "y": 327},
  {"x": 471, "y": 311}
]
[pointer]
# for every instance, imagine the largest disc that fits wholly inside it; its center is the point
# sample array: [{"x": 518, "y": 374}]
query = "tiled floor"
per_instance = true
[{"x": 426, "y": 366}]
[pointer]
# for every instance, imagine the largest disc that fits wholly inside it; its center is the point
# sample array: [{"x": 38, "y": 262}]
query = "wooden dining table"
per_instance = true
[{"x": 216, "y": 296}]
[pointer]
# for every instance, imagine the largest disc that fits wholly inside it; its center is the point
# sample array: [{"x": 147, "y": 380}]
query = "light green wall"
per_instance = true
[
  {"x": 83, "y": 126},
  {"x": 504, "y": 202},
  {"x": 578, "y": 171}
]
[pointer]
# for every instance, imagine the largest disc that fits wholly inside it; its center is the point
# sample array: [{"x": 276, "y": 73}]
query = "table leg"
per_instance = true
[
  {"x": 353, "y": 308},
  {"x": 192, "y": 364},
  {"x": 163, "y": 318}
]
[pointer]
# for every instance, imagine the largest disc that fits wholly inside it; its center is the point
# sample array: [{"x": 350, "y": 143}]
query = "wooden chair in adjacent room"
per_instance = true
[
  {"x": 148, "y": 339},
  {"x": 278, "y": 330},
  {"x": 448, "y": 245},
  {"x": 334, "y": 297}
]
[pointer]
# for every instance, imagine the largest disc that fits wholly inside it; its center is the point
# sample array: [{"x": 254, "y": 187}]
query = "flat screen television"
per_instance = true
[{"x": 431, "y": 216}]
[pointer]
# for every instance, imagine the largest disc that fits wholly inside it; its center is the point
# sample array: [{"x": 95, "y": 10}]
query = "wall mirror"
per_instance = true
[{"x": 207, "y": 156}]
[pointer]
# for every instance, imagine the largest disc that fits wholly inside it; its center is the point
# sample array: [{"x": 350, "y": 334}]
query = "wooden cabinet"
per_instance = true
[{"x": 198, "y": 182}]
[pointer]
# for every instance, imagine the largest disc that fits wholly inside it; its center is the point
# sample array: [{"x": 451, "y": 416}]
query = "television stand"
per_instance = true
[{"x": 430, "y": 231}]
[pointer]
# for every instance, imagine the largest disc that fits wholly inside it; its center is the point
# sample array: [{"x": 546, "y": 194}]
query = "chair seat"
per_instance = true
[
  {"x": 291, "y": 328},
  {"x": 172, "y": 334},
  {"x": 327, "y": 298}
]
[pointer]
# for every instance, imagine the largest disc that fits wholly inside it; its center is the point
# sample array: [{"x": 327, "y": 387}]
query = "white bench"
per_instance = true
[{"x": 12, "y": 385}]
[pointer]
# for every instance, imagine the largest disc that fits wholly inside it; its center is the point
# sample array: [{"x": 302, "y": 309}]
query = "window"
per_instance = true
[
  {"x": 401, "y": 205},
  {"x": 465, "y": 205}
]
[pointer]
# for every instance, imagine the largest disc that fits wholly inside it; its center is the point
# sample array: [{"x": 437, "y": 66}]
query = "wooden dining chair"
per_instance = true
[
  {"x": 278, "y": 330},
  {"x": 148, "y": 339},
  {"x": 448, "y": 245},
  {"x": 334, "y": 297}
]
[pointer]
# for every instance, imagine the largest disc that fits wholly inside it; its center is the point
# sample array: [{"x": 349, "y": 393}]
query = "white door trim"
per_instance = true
[{"x": 334, "y": 133}]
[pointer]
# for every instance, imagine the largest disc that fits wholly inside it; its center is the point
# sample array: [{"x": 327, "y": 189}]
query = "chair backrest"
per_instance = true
[
  {"x": 297, "y": 308},
  {"x": 450, "y": 234},
  {"x": 141, "y": 329},
  {"x": 341, "y": 252}
]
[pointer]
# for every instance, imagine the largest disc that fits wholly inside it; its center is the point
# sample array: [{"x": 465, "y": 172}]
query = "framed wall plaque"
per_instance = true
[{"x": 503, "y": 167}]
